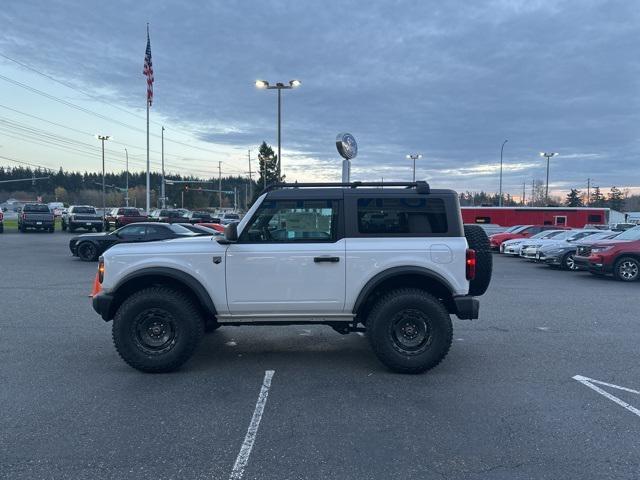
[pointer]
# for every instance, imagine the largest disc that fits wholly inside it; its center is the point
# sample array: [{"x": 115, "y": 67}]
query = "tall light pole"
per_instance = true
[
  {"x": 126, "y": 198},
  {"x": 548, "y": 155},
  {"x": 414, "y": 157},
  {"x": 501, "y": 150},
  {"x": 164, "y": 200},
  {"x": 102, "y": 139},
  {"x": 278, "y": 86}
]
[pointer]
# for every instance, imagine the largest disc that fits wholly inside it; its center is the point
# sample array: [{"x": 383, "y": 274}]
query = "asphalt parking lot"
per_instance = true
[{"x": 502, "y": 405}]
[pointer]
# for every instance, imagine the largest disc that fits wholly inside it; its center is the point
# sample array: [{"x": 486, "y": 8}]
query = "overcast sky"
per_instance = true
[{"x": 451, "y": 80}]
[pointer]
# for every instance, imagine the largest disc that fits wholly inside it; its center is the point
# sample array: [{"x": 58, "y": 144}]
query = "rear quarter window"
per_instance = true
[{"x": 397, "y": 216}]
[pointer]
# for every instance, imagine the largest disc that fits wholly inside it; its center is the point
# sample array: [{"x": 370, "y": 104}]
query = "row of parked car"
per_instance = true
[
  {"x": 40, "y": 216},
  {"x": 601, "y": 252}
]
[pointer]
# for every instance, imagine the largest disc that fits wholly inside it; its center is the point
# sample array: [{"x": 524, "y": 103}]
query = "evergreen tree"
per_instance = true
[
  {"x": 616, "y": 199},
  {"x": 574, "y": 198},
  {"x": 597, "y": 199},
  {"x": 268, "y": 161}
]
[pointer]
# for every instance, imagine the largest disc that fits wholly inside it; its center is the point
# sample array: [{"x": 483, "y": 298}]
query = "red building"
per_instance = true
[{"x": 576, "y": 217}]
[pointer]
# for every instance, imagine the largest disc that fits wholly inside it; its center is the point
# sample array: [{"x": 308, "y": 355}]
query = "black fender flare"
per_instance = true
[
  {"x": 184, "y": 278},
  {"x": 380, "y": 277}
]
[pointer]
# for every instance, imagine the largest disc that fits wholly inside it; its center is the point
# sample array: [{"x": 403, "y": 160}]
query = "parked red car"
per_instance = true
[
  {"x": 619, "y": 256},
  {"x": 1, "y": 221},
  {"x": 522, "y": 231},
  {"x": 119, "y": 217}
]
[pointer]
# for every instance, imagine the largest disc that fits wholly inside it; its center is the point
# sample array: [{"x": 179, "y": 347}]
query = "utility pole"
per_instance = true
[
  {"x": 164, "y": 201},
  {"x": 524, "y": 186},
  {"x": 126, "y": 198},
  {"x": 102, "y": 139},
  {"x": 250, "y": 179},
  {"x": 533, "y": 185},
  {"x": 588, "y": 191},
  {"x": 182, "y": 198},
  {"x": 235, "y": 198},
  {"x": 501, "y": 150},
  {"x": 220, "y": 184}
]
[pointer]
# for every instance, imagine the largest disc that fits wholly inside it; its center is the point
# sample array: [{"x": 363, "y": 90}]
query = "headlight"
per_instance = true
[{"x": 600, "y": 249}]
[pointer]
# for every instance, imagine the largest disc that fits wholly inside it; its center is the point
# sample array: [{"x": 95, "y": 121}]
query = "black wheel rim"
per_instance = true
[
  {"x": 155, "y": 331},
  {"x": 628, "y": 270},
  {"x": 88, "y": 251},
  {"x": 410, "y": 331}
]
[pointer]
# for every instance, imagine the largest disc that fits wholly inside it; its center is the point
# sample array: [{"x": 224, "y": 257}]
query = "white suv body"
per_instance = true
[{"x": 318, "y": 255}]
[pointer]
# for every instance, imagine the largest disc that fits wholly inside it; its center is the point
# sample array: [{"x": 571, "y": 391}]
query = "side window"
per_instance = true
[
  {"x": 289, "y": 221},
  {"x": 132, "y": 231},
  {"x": 416, "y": 215},
  {"x": 155, "y": 231}
]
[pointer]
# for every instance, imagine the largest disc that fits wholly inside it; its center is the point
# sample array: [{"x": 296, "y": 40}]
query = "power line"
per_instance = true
[{"x": 99, "y": 115}]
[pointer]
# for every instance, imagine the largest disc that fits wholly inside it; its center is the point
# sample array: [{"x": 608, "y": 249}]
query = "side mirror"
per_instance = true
[{"x": 230, "y": 234}]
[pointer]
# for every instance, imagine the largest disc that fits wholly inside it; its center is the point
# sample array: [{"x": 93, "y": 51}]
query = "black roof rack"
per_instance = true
[{"x": 421, "y": 186}]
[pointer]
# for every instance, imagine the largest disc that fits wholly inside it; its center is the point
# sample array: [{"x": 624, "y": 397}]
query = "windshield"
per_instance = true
[
  {"x": 513, "y": 229},
  {"x": 602, "y": 236},
  {"x": 580, "y": 235},
  {"x": 519, "y": 228},
  {"x": 631, "y": 234},
  {"x": 36, "y": 208},
  {"x": 84, "y": 210},
  {"x": 547, "y": 234}
]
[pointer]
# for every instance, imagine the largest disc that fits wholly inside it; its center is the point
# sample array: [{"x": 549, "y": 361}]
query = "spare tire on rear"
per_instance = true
[{"x": 478, "y": 240}]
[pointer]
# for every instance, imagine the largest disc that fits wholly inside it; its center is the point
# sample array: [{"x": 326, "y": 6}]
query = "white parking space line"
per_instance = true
[
  {"x": 250, "y": 437},
  {"x": 590, "y": 382}
]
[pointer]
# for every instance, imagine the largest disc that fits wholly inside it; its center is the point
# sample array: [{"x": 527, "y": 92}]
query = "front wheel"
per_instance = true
[
  {"x": 157, "y": 329},
  {"x": 627, "y": 269},
  {"x": 568, "y": 263},
  {"x": 409, "y": 330}
]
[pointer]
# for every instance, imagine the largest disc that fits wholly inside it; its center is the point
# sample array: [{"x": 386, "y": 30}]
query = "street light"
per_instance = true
[
  {"x": 414, "y": 157},
  {"x": 102, "y": 139},
  {"x": 501, "y": 150},
  {"x": 548, "y": 155},
  {"x": 264, "y": 85}
]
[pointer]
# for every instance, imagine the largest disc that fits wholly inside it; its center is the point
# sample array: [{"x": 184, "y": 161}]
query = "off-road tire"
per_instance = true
[
  {"x": 211, "y": 326},
  {"x": 627, "y": 269},
  {"x": 170, "y": 306},
  {"x": 98, "y": 229},
  {"x": 478, "y": 240},
  {"x": 391, "y": 313},
  {"x": 51, "y": 229},
  {"x": 87, "y": 252},
  {"x": 64, "y": 227}
]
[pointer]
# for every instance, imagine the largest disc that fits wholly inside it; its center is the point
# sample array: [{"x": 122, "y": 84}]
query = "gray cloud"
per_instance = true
[{"x": 448, "y": 79}]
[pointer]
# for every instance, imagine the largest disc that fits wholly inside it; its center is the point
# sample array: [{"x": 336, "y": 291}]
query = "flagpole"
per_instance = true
[{"x": 148, "y": 177}]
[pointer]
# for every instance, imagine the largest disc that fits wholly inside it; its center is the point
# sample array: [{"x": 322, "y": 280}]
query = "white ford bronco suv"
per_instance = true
[{"x": 389, "y": 261}]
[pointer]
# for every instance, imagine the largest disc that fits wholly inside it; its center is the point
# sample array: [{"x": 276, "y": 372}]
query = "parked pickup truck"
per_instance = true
[
  {"x": 37, "y": 216},
  {"x": 81, "y": 216},
  {"x": 119, "y": 217}
]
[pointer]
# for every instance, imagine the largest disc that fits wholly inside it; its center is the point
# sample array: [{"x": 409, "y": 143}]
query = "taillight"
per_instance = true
[{"x": 471, "y": 264}]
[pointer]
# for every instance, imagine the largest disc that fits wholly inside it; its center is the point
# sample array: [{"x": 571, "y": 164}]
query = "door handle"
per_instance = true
[{"x": 326, "y": 259}]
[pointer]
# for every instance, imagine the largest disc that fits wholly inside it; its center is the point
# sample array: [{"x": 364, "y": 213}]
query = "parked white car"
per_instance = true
[
  {"x": 513, "y": 247},
  {"x": 530, "y": 250}
]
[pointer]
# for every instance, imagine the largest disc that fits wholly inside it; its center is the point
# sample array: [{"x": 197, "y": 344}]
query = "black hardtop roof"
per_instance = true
[{"x": 340, "y": 190}]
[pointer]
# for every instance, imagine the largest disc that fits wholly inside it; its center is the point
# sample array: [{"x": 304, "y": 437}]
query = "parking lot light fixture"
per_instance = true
[
  {"x": 264, "y": 85},
  {"x": 548, "y": 155},
  {"x": 414, "y": 157},
  {"x": 102, "y": 139}
]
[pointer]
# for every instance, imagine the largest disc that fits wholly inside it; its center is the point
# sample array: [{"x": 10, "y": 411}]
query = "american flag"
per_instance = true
[{"x": 148, "y": 70}]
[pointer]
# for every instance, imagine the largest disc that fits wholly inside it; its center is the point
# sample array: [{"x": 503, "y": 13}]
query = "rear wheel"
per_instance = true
[
  {"x": 64, "y": 227},
  {"x": 478, "y": 241},
  {"x": 627, "y": 269},
  {"x": 157, "y": 329},
  {"x": 409, "y": 330},
  {"x": 87, "y": 252},
  {"x": 98, "y": 229}
]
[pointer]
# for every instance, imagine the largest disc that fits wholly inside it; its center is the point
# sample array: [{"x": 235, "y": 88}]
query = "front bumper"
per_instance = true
[
  {"x": 103, "y": 305},
  {"x": 467, "y": 307},
  {"x": 551, "y": 259}
]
